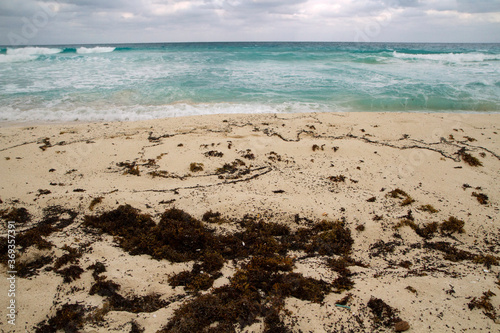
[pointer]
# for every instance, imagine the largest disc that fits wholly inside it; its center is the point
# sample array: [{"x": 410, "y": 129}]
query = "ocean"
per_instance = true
[{"x": 147, "y": 81}]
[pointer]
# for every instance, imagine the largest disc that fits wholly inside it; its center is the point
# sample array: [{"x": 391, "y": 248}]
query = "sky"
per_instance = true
[{"x": 39, "y": 22}]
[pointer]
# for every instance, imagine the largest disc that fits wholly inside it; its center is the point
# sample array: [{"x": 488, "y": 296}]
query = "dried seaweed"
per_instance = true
[
  {"x": 95, "y": 202},
  {"x": 400, "y": 194},
  {"x": 29, "y": 269},
  {"x": 70, "y": 273},
  {"x": 105, "y": 288},
  {"x": 429, "y": 208},
  {"x": 481, "y": 198},
  {"x": 69, "y": 318},
  {"x": 129, "y": 168},
  {"x": 213, "y": 153},
  {"x": 468, "y": 158},
  {"x": 484, "y": 303},
  {"x": 266, "y": 276},
  {"x": 337, "y": 179},
  {"x": 452, "y": 225},
  {"x": 450, "y": 252},
  {"x": 383, "y": 313},
  {"x": 18, "y": 215}
]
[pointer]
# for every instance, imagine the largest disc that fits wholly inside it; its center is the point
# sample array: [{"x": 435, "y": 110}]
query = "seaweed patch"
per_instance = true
[
  {"x": 256, "y": 290},
  {"x": 400, "y": 194}
]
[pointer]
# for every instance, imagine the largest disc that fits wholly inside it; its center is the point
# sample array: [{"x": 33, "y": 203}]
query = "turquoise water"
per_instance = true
[{"x": 145, "y": 81}]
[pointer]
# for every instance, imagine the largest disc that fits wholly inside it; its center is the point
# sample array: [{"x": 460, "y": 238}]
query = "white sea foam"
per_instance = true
[
  {"x": 97, "y": 49},
  {"x": 16, "y": 58},
  {"x": 24, "y": 51},
  {"x": 449, "y": 57},
  {"x": 141, "y": 112}
]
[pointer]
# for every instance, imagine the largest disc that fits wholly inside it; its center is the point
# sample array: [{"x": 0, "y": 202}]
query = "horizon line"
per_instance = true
[{"x": 247, "y": 42}]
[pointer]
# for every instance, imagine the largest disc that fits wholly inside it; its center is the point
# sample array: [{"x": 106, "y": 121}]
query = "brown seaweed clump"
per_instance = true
[
  {"x": 55, "y": 218},
  {"x": 214, "y": 153},
  {"x": 425, "y": 232},
  {"x": 429, "y": 208},
  {"x": 452, "y": 225},
  {"x": 129, "y": 168},
  {"x": 95, "y": 202},
  {"x": 256, "y": 291},
  {"x": 484, "y": 304},
  {"x": 383, "y": 313},
  {"x": 337, "y": 179},
  {"x": 31, "y": 268},
  {"x": 468, "y": 158},
  {"x": 18, "y": 215},
  {"x": 196, "y": 167},
  {"x": 487, "y": 260},
  {"x": 481, "y": 198},
  {"x": 400, "y": 194},
  {"x": 70, "y": 318},
  {"x": 451, "y": 253}
]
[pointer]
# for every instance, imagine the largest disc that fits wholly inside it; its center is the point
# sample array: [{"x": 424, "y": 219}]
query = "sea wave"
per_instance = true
[
  {"x": 110, "y": 112},
  {"x": 449, "y": 57},
  {"x": 4, "y": 58},
  {"x": 97, "y": 49},
  {"x": 25, "y": 51}
]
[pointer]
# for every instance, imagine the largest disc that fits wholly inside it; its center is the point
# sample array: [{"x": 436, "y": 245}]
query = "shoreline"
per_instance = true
[
  {"x": 8, "y": 124},
  {"x": 400, "y": 184}
]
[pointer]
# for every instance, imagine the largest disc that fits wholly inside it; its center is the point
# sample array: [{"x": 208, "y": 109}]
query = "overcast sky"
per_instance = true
[{"x": 127, "y": 21}]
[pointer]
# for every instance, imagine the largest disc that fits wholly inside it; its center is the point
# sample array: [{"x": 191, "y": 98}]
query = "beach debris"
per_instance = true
[
  {"x": 316, "y": 147},
  {"x": 411, "y": 289},
  {"x": 70, "y": 273},
  {"x": 337, "y": 179},
  {"x": 452, "y": 225},
  {"x": 383, "y": 313},
  {"x": 451, "y": 253},
  {"x": 95, "y": 202},
  {"x": 487, "y": 260},
  {"x": 213, "y": 153},
  {"x": 425, "y": 232},
  {"x": 400, "y": 194},
  {"x": 196, "y": 167},
  {"x": 102, "y": 287},
  {"x": 19, "y": 215},
  {"x": 46, "y": 144},
  {"x": 129, "y": 168},
  {"x": 43, "y": 192},
  {"x": 481, "y": 198},
  {"x": 344, "y": 300},
  {"x": 248, "y": 155},
  {"x": 97, "y": 269},
  {"x": 360, "y": 227},
  {"x": 29, "y": 268},
  {"x": 166, "y": 202},
  {"x": 232, "y": 170},
  {"x": 484, "y": 303},
  {"x": 428, "y": 208},
  {"x": 383, "y": 248},
  {"x": 258, "y": 286},
  {"x": 468, "y": 158},
  {"x": 69, "y": 318},
  {"x": 401, "y": 326}
]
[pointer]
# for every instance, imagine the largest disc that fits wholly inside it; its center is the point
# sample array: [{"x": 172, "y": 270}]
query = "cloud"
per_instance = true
[
  {"x": 105, "y": 21},
  {"x": 474, "y": 6}
]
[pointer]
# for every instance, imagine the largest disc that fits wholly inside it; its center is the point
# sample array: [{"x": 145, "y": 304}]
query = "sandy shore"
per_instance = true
[{"x": 398, "y": 185}]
